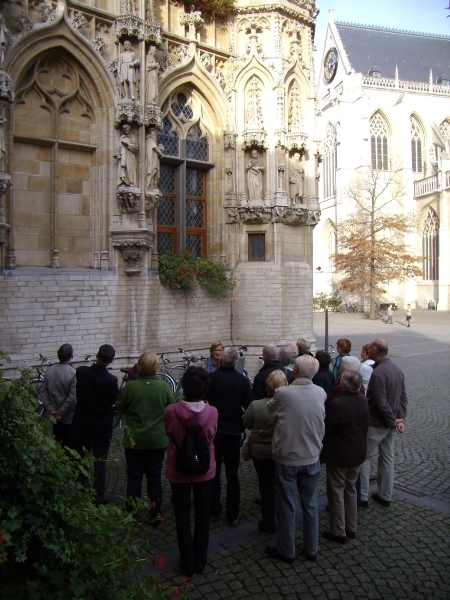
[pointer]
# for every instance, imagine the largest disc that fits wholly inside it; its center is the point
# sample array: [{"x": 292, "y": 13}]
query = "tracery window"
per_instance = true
[
  {"x": 329, "y": 163},
  {"x": 379, "y": 143},
  {"x": 181, "y": 216},
  {"x": 430, "y": 246},
  {"x": 444, "y": 128},
  {"x": 416, "y": 145}
]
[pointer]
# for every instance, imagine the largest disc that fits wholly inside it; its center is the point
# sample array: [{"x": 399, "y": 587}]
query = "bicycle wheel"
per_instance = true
[
  {"x": 117, "y": 418},
  {"x": 168, "y": 379}
]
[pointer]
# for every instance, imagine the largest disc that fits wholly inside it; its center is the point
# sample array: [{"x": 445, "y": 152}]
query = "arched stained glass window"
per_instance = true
[
  {"x": 379, "y": 143},
  {"x": 430, "y": 246},
  {"x": 416, "y": 145}
]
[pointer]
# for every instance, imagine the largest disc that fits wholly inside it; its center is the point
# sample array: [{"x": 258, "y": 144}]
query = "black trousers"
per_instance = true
[
  {"x": 227, "y": 448},
  {"x": 265, "y": 470},
  {"x": 150, "y": 462},
  {"x": 193, "y": 549}
]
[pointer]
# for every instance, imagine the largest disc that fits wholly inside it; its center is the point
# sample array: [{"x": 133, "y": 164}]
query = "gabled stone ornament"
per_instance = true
[
  {"x": 193, "y": 20},
  {"x": 255, "y": 214},
  {"x": 153, "y": 116},
  {"x": 78, "y": 21},
  {"x": 127, "y": 111},
  {"x": 133, "y": 244},
  {"x": 152, "y": 32},
  {"x": 254, "y": 138}
]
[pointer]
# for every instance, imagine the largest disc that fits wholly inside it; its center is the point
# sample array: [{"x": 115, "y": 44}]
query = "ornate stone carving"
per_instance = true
[
  {"x": 152, "y": 116},
  {"x": 128, "y": 62},
  {"x": 232, "y": 215},
  {"x": 126, "y": 156},
  {"x": 6, "y": 39},
  {"x": 78, "y": 21},
  {"x": 183, "y": 54},
  {"x": 254, "y": 134},
  {"x": 99, "y": 43},
  {"x": 151, "y": 76},
  {"x": 128, "y": 111},
  {"x": 152, "y": 200},
  {"x": 296, "y": 179},
  {"x": 133, "y": 244},
  {"x": 47, "y": 12},
  {"x": 296, "y": 141},
  {"x": 5, "y": 182},
  {"x": 6, "y": 87},
  {"x": 128, "y": 25},
  {"x": 206, "y": 59},
  {"x": 128, "y": 198},
  {"x": 23, "y": 22},
  {"x": 193, "y": 20},
  {"x": 152, "y": 32},
  {"x": 255, "y": 167},
  {"x": 255, "y": 214},
  {"x": 289, "y": 215},
  {"x": 229, "y": 140},
  {"x": 153, "y": 153}
]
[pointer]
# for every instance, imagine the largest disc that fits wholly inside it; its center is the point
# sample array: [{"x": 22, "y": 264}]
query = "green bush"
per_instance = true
[
  {"x": 55, "y": 544},
  {"x": 322, "y": 301},
  {"x": 182, "y": 273}
]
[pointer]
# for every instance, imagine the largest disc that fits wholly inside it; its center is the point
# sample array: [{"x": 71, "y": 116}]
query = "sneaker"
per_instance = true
[{"x": 233, "y": 522}]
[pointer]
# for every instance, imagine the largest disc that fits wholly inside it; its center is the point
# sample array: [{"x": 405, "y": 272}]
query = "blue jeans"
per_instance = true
[
  {"x": 227, "y": 447},
  {"x": 304, "y": 478},
  {"x": 193, "y": 549},
  {"x": 149, "y": 462}
]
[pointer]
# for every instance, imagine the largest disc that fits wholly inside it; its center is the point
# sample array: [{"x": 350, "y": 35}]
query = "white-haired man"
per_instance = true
[
  {"x": 299, "y": 415},
  {"x": 387, "y": 399},
  {"x": 272, "y": 362}
]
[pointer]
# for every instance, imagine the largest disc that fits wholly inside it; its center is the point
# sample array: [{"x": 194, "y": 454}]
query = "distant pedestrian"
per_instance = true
[
  {"x": 389, "y": 314},
  {"x": 344, "y": 449},
  {"x": 92, "y": 424},
  {"x": 58, "y": 393},
  {"x": 387, "y": 399},
  {"x": 408, "y": 315},
  {"x": 231, "y": 394}
]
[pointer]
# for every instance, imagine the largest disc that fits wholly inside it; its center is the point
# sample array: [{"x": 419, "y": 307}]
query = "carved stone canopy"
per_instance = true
[
  {"x": 254, "y": 138},
  {"x": 153, "y": 116},
  {"x": 133, "y": 244},
  {"x": 292, "y": 140},
  {"x": 152, "y": 32},
  {"x": 127, "y": 111},
  {"x": 295, "y": 215},
  {"x": 128, "y": 198},
  {"x": 129, "y": 26}
]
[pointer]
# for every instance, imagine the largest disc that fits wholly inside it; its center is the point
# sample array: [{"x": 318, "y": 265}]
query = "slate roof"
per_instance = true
[{"x": 414, "y": 53}]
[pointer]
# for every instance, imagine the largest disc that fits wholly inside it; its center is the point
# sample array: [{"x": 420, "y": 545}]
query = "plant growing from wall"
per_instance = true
[
  {"x": 220, "y": 7},
  {"x": 55, "y": 544},
  {"x": 182, "y": 273}
]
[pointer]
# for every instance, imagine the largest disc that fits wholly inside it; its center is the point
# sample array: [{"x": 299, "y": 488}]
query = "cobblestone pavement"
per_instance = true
[{"x": 400, "y": 552}]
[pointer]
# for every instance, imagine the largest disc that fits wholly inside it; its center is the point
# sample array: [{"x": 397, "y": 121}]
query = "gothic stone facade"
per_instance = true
[{"x": 131, "y": 128}]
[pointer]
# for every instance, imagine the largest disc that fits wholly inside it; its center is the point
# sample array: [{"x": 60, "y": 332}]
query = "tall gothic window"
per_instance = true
[
  {"x": 444, "y": 128},
  {"x": 329, "y": 163},
  {"x": 416, "y": 145},
  {"x": 181, "y": 218},
  {"x": 430, "y": 246},
  {"x": 379, "y": 143}
]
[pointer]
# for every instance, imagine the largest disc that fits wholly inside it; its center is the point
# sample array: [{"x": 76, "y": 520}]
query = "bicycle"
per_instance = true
[
  {"x": 35, "y": 386},
  {"x": 331, "y": 351},
  {"x": 165, "y": 375},
  {"x": 177, "y": 378},
  {"x": 240, "y": 367}
]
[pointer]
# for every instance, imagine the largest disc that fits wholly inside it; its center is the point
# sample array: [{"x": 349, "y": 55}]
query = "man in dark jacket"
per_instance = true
[
  {"x": 387, "y": 413},
  {"x": 231, "y": 394},
  {"x": 272, "y": 362},
  {"x": 92, "y": 424},
  {"x": 344, "y": 449}
]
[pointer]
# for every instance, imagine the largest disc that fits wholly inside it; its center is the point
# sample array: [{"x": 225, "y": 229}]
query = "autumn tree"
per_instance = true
[{"x": 371, "y": 248}]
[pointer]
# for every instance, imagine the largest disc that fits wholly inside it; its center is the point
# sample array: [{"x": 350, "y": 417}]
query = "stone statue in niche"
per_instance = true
[
  {"x": 127, "y": 75},
  {"x": 151, "y": 76},
  {"x": 153, "y": 152},
  {"x": 254, "y": 167},
  {"x": 296, "y": 179},
  {"x": 128, "y": 151}
]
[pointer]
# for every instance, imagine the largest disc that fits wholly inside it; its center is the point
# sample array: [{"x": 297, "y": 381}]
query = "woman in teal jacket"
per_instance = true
[{"x": 143, "y": 402}]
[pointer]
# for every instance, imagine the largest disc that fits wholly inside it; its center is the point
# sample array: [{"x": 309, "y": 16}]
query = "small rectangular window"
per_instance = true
[{"x": 256, "y": 246}]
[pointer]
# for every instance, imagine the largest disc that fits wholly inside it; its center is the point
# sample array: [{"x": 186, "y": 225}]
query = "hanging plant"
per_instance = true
[
  {"x": 220, "y": 7},
  {"x": 183, "y": 273}
]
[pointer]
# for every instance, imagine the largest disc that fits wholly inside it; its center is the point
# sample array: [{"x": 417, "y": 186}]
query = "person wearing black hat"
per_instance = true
[{"x": 97, "y": 391}]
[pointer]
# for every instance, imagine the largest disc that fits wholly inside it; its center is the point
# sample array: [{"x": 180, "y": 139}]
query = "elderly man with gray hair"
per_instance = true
[
  {"x": 272, "y": 362},
  {"x": 231, "y": 394},
  {"x": 299, "y": 414}
]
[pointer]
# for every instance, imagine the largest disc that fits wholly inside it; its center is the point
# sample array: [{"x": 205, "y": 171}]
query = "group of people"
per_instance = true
[{"x": 298, "y": 413}]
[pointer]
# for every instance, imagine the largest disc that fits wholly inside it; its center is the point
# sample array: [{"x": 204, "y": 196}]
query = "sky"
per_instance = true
[{"x": 424, "y": 16}]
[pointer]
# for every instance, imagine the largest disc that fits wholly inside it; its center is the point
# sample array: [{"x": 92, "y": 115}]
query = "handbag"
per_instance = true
[{"x": 247, "y": 447}]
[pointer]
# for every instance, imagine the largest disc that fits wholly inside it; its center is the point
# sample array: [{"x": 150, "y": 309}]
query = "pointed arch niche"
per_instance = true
[
  {"x": 329, "y": 241},
  {"x": 417, "y": 144},
  {"x": 186, "y": 138},
  {"x": 53, "y": 158},
  {"x": 430, "y": 246},
  {"x": 329, "y": 162}
]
